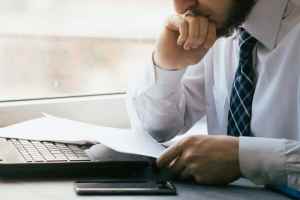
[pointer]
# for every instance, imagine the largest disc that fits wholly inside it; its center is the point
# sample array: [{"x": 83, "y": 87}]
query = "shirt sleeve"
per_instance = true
[
  {"x": 166, "y": 103},
  {"x": 274, "y": 162}
]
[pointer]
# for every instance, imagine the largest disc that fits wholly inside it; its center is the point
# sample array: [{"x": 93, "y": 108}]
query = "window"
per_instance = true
[
  {"x": 73, "y": 48},
  {"x": 60, "y": 48}
]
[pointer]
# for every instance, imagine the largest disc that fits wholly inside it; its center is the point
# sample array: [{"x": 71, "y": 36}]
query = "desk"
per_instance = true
[{"x": 63, "y": 190}]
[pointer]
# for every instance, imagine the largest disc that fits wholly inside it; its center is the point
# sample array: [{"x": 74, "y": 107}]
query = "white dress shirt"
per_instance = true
[{"x": 167, "y": 103}]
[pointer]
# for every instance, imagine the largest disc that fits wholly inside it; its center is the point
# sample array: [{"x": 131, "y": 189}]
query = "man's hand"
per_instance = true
[
  {"x": 211, "y": 160},
  {"x": 184, "y": 41}
]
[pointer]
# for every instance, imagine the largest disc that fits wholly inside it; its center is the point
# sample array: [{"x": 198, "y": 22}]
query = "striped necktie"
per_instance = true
[{"x": 240, "y": 111}]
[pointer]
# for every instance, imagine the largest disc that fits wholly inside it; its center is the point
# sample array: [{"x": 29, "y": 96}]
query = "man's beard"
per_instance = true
[{"x": 238, "y": 14}]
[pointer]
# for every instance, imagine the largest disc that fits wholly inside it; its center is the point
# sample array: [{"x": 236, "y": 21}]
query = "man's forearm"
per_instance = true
[
  {"x": 270, "y": 161},
  {"x": 154, "y": 102}
]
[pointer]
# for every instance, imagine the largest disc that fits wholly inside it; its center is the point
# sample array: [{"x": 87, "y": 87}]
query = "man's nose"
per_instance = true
[{"x": 181, "y": 6}]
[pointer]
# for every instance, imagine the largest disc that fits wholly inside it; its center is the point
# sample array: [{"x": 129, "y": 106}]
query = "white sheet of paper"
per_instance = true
[{"x": 52, "y": 128}]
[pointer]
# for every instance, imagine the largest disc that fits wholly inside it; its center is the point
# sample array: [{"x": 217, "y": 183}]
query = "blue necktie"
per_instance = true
[{"x": 239, "y": 116}]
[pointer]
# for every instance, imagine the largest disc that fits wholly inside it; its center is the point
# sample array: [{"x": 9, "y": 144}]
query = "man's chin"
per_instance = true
[{"x": 225, "y": 32}]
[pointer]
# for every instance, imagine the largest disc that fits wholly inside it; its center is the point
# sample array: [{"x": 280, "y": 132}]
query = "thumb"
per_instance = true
[
  {"x": 178, "y": 24},
  {"x": 174, "y": 22}
]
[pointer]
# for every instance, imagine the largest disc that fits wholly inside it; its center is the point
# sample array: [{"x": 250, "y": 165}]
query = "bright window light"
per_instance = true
[{"x": 58, "y": 48}]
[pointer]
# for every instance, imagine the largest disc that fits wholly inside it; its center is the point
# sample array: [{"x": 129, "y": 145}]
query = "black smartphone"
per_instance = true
[{"x": 124, "y": 187}]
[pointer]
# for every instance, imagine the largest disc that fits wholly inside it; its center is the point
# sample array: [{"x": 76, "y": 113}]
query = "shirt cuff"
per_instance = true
[
  {"x": 167, "y": 82},
  {"x": 168, "y": 77},
  {"x": 262, "y": 160}
]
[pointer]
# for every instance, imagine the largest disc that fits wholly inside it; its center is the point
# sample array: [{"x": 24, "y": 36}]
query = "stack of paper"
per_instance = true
[{"x": 50, "y": 128}]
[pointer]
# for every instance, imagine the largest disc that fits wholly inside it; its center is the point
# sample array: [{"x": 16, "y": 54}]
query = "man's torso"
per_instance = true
[{"x": 276, "y": 108}]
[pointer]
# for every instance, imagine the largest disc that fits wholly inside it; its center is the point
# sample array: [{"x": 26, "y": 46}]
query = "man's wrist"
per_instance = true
[
  {"x": 154, "y": 60},
  {"x": 158, "y": 64},
  {"x": 236, "y": 144},
  {"x": 262, "y": 159}
]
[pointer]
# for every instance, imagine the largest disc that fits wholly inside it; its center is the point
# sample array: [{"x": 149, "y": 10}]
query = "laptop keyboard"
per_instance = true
[{"x": 38, "y": 151}]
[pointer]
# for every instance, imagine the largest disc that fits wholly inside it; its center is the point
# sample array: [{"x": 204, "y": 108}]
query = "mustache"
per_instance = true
[{"x": 192, "y": 12}]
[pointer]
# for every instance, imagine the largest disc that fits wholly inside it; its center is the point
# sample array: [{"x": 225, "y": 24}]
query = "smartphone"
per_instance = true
[{"x": 124, "y": 187}]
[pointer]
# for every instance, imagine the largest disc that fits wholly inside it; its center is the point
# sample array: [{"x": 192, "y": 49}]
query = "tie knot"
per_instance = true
[{"x": 246, "y": 41}]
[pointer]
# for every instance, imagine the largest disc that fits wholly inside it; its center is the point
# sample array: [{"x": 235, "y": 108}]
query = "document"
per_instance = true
[{"x": 51, "y": 128}]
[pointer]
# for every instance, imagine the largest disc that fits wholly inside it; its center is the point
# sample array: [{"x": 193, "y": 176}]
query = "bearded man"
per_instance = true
[{"x": 237, "y": 63}]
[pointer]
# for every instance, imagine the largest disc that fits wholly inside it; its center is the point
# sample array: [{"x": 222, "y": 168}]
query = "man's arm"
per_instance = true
[
  {"x": 270, "y": 161},
  {"x": 265, "y": 161},
  {"x": 166, "y": 103},
  {"x": 163, "y": 102}
]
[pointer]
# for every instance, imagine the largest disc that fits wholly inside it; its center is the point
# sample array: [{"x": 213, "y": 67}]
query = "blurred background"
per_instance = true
[{"x": 60, "y": 48}]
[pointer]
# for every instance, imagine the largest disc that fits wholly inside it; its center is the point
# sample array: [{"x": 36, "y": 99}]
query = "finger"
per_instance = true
[
  {"x": 178, "y": 166},
  {"x": 203, "y": 32},
  {"x": 169, "y": 155},
  {"x": 194, "y": 27},
  {"x": 183, "y": 30},
  {"x": 173, "y": 22},
  {"x": 211, "y": 36},
  {"x": 185, "y": 174},
  {"x": 178, "y": 23},
  {"x": 199, "y": 179}
]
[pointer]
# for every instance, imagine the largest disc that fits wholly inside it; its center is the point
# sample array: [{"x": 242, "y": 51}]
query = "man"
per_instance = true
[{"x": 246, "y": 83}]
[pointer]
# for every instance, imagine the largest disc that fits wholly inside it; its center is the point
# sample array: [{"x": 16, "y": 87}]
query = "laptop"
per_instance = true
[{"x": 45, "y": 159}]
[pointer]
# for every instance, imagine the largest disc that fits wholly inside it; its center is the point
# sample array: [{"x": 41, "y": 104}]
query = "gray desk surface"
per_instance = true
[{"x": 63, "y": 190}]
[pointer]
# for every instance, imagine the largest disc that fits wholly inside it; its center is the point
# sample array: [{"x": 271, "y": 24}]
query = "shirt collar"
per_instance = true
[{"x": 264, "y": 21}]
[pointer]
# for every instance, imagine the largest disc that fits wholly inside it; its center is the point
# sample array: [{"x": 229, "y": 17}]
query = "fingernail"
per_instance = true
[{"x": 187, "y": 48}]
